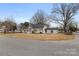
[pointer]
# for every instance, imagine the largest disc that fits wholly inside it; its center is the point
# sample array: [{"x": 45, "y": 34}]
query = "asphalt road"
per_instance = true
[{"x": 22, "y": 47}]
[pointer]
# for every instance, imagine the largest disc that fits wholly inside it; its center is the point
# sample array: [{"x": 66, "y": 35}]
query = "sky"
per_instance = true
[{"x": 22, "y": 12}]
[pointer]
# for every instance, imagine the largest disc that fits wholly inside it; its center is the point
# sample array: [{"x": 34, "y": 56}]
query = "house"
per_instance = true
[
  {"x": 37, "y": 28},
  {"x": 2, "y": 28},
  {"x": 41, "y": 28},
  {"x": 54, "y": 30}
]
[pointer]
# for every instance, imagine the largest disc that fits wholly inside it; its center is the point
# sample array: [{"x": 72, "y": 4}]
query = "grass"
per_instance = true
[{"x": 45, "y": 37}]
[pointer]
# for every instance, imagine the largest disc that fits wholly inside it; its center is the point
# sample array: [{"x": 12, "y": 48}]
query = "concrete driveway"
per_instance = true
[{"x": 22, "y": 47}]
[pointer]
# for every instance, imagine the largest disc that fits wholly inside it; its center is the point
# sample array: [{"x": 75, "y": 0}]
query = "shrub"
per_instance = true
[
  {"x": 34, "y": 31},
  {"x": 40, "y": 32}
]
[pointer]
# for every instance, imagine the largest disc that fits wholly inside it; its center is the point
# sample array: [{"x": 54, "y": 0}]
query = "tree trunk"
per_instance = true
[
  {"x": 64, "y": 28},
  {"x": 4, "y": 31},
  {"x": 20, "y": 30}
]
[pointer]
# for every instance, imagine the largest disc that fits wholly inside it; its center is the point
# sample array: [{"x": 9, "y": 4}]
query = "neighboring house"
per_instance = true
[
  {"x": 2, "y": 28},
  {"x": 52, "y": 30}
]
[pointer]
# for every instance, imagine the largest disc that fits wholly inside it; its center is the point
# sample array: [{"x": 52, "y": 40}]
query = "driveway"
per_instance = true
[{"x": 22, "y": 47}]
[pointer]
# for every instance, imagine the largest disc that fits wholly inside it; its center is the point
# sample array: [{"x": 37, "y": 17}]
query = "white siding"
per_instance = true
[
  {"x": 48, "y": 31},
  {"x": 54, "y": 31},
  {"x": 44, "y": 29},
  {"x": 38, "y": 30},
  {"x": 1, "y": 30}
]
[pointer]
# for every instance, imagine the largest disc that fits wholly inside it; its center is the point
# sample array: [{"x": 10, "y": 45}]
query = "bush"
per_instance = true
[
  {"x": 34, "y": 31},
  {"x": 40, "y": 32}
]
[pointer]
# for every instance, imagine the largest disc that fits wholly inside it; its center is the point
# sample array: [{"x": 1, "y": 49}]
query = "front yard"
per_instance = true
[{"x": 45, "y": 37}]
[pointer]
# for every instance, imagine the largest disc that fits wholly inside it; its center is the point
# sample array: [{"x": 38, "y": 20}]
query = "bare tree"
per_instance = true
[
  {"x": 39, "y": 17},
  {"x": 64, "y": 13},
  {"x": 9, "y": 24},
  {"x": 21, "y": 27}
]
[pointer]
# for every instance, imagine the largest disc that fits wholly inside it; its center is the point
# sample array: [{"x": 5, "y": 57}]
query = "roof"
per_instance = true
[
  {"x": 51, "y": 28},
  {"x": 38, "y": 25}
]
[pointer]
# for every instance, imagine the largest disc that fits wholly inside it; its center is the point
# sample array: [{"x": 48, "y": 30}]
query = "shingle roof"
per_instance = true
[
  {"x": 51, "y": 28},
  {"x": 38, "y": 25}
]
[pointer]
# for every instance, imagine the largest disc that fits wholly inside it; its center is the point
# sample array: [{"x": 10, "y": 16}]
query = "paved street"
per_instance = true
[{"x": 22, "y": 47}]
